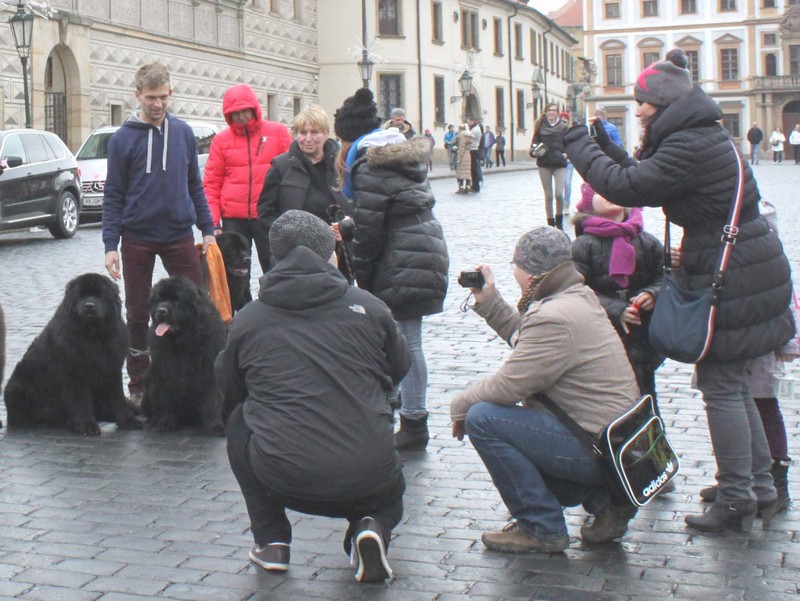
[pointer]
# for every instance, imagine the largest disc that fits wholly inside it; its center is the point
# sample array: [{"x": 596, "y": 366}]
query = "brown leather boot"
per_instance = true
[{"x": 610, "y": 523}]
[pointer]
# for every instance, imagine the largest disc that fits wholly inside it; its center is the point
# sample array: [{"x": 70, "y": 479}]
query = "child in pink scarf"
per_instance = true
[{"x": 623, "y": 264}]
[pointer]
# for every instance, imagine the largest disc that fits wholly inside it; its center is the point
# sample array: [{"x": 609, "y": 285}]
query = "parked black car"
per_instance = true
[{"x": 39, "y": 182}]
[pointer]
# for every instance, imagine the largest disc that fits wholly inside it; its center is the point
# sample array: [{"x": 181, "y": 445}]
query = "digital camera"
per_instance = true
[{"x": 471, "y": 279}]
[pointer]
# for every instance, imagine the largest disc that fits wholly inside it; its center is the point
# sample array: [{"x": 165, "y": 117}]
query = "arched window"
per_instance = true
[{"x": 770, "y": 65}]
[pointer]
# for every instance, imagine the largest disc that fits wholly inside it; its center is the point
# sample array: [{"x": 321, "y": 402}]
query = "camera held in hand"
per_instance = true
[{"x": 471, "y": 279}]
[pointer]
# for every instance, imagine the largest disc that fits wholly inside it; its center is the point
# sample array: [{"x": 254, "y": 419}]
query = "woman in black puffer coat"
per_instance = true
[
  {"x": 400, "y": 254},
  {"x": 689, "y": 168},
  {"x": 549, "y": 130}
]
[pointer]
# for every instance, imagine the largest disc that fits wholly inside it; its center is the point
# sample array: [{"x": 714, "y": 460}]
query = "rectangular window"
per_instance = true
[
  {"x": 298, "y": 11},
  {"x": 275, "y": 7},
  {"x": 534, "y": 48},
  {"x": 518, "y": 53},
  {"x": 520, "y": 109},
  {"x": 500, "y": 105},
  {"x": 648, "y": 58},
  {"x": 649, "y": 8},
  {"x": 611, "y": 10},
  {"x": 730, "y": 121},
  {"x": 769, "y": 3},
  {"x": 614, "y": 70},
  {"x": 727, "y": 5},
  {"x": 116, "y": 114},
  {"x": 296, "y": 104},
  {"x": 498, "y": 36},
  {"x": 729, "y": 64},
  {"x": 548, "y": 59},
  {"x": 390, "y": 93},
  {"x": 770, "y": 39},
  {"x": 688, "y": 7},
  {"x": 272, "y": 107},
  {"x": 694, "y": 64},
  {"x": 470, "y": 35},
  {"x": 388, "y": 17},
  {"x": 437, "y": 31},
  {"x": 438, "y": 97},
  {"x": 794, "y": 60}
]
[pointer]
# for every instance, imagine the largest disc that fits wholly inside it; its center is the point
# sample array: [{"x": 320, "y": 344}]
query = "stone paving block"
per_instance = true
[
  {"x": 57, "y": 593},
  {"x": 91, "y": 566},
  {"x": 55, "y": 577}
]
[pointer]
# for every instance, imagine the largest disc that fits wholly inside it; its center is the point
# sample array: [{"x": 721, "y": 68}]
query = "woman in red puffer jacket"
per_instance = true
[{"x": 238, "y": 162}]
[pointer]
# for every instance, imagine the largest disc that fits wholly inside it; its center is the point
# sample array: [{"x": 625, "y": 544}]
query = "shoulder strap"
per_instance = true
[{"x": 582, "y": 435}]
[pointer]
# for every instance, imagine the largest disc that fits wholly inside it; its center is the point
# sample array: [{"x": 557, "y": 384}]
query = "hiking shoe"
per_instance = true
[
  {"x": 368, "y": 552},
  {"x": 273, "y": 556},
  {"x": 513, "y": 539},
  {"x": 610, "y": 523}
]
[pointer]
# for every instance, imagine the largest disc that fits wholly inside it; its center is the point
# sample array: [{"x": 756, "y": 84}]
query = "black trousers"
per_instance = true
[
  {"x": 267, "y": 509},
  {"x": 475, "y": 169}
]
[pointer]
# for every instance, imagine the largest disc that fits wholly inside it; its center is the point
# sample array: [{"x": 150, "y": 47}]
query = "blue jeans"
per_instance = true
[
  {"x": 537, "y": 465},
  {"x": 568, "y": 186},
  {"x": 415, "y": 385}
]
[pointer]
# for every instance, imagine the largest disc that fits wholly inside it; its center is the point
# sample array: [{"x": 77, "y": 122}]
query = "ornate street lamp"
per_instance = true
[
  {"x": 22, "y": 30},
  {"x": 465, "y": 85},
  {"x": 365, "y": 68}
]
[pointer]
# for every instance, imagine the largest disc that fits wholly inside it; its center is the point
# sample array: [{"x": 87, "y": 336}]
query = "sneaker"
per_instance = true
[
  {"x": 134, "y": 401},
  {"x": 273, "y": 556},
  {"x": 513, "y": 539},
  {"x": 368, "y": 552}
]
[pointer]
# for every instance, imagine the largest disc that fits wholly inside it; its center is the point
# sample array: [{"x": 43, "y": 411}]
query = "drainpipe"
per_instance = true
[
  {"x": 512, "y": 130},
  {"x": 419, "y": 73}
]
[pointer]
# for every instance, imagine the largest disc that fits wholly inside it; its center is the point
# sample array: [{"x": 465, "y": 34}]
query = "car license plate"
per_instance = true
[{"x": 92, "y": 201}]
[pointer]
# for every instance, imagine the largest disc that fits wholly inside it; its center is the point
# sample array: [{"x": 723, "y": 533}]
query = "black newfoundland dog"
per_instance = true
[
  {"x": 236, "y": 255},
  {"x": 71, "y": 375},
  {"x": 186, "y": 334}
]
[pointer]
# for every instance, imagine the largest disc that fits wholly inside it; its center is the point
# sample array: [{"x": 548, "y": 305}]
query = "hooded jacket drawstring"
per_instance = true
[{"x": 148, "y": 169}]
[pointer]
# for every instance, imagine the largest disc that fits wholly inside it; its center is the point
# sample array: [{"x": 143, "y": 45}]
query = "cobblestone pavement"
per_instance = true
[{"x": 142, "y": 515}]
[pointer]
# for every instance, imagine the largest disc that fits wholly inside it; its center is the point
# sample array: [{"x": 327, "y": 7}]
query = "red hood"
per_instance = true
[{"x": 239, "y": 98}]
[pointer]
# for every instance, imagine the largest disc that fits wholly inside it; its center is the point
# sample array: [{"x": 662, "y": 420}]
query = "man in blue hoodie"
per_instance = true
[{"x": 153, "y": 196}]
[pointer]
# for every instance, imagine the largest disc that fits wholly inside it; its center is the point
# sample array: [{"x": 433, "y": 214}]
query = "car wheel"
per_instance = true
[{"x": 67, "y": 217}]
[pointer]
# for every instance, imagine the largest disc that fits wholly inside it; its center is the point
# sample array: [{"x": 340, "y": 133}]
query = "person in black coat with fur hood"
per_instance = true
[
  {"x": 400, "y": 254},
  {"x": 688, "y": 166}
]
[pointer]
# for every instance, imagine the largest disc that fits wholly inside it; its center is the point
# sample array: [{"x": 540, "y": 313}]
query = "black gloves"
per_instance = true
[{"x": 601, "y": 135}]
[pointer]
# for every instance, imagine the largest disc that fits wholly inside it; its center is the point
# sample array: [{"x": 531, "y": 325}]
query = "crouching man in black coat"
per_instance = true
[{"x": 312, "y": 362}]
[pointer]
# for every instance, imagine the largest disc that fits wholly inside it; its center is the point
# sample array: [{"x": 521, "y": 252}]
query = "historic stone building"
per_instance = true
[
  {"x": 744, "y": 53},
  {"x": 85, "y": 53}
]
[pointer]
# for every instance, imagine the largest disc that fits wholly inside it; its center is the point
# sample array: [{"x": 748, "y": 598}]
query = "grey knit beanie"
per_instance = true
[
  {"x": 665, "y": 81},
  {"x": 300, "y": 228},
  {"x": 542, "y": 249}
]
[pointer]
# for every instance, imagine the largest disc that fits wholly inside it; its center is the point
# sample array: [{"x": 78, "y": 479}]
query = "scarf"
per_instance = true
[{"x": 622, "y": 262}]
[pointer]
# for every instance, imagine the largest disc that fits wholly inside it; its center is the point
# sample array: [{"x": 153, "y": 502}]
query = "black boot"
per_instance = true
[
  {"x": 780, "y": 474},
  {"x": 559, "y": 222},
  {"x": 722, "y": 516},
  {"x": 551, "y": 222},
  {"x": 413, "y": 433}
]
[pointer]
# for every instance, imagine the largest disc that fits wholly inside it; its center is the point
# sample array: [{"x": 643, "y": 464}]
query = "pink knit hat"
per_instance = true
[{"x": 585, "y": 204}]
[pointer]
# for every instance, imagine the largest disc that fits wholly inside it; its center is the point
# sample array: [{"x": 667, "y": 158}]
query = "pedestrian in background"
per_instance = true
[
  {"x": 449, "y": 146},
  {"x": 397, "y": 118},
  {"x": 476, "y": 156},
  {"x": 429, "y": 136},
  {"x": 776, "y": 140},
  {"x": 400, "y": 253},
  {"x": 238, "y": 162},
  {"x": 305, "y": 178},
  {"x": 563, "y": 345},
  {"x": 153, "y": 196},
  {"x": 549, "y": 130},
  {"x": 311, "y": 430},
  {"x": 488, "y": 142},
  {"x": 565, "y": 116},
  {"x": 754, "y": 137},
  {"x": 794, "y": 140},
  {"x": 624, "y": 265},
  {"x": 464, "y": 159},
  {"x": 682, "y": 135},
  {"x": 500, "y": 148}
]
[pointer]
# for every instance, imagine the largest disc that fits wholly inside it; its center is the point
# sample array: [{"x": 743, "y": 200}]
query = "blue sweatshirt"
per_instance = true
[{"x": 153, "y": 191}]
